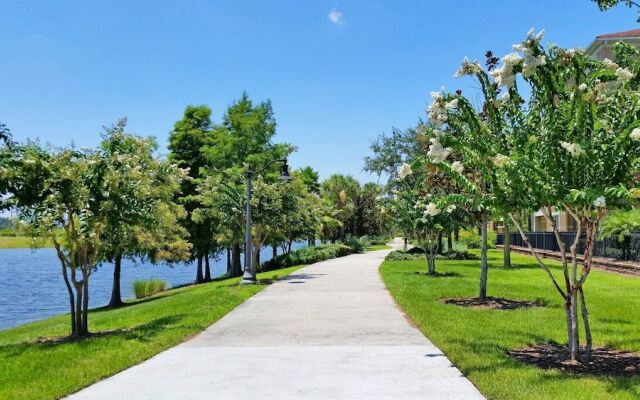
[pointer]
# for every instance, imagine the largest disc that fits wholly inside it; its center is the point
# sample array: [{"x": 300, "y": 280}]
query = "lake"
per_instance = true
[{"x": 32, "y": 287}]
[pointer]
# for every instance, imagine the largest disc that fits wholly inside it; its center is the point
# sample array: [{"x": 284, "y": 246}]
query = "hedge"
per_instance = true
[{"x": 307, "y": 255}]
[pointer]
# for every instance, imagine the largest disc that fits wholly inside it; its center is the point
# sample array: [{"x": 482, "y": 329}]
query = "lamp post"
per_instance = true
[{"x": 249, "y": 275}]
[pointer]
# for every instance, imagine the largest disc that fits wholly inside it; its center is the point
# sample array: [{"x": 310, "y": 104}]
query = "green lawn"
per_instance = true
[
  {"x": 30, "y": 370},
  {"x": 375, "y": 247},
  {"x": 476, "y": 340},
  {"x": 17, "y": 242}
]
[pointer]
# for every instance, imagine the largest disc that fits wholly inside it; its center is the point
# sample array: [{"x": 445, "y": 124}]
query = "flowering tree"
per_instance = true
[
  {"x": 580, "y": 152},
  {"x": 422, "y": 212},
  {"x": 478, "y": 140}
]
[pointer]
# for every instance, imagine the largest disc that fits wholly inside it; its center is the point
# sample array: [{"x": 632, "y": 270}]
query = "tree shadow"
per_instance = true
[
  {"x": 143, "y": 333},
  {"x": 439, "y": 274}
]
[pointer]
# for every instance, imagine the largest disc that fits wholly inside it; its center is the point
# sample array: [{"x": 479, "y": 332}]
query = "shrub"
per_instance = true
[
  {"x": 473, "y": 240},
  {"x": 358, "y": 245},
  {"x": 145, "y": 288},
  {"x": 417, "y": 253},
  {"x": 307, "y": 255}
]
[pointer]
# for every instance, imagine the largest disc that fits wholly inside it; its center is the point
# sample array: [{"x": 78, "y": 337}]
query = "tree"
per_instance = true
[
  {"x": 243, "y": 140},
  {"x": 607, "y": 4},
  {"x": 187, "y": 142},
  {"x": 311, "y": 179},
  {"x": 390, "y": 152},
  {"x": 572, "y": 147},
  {"x": 145, "y": 225},
  {"x": 341, "y": 193},
  {"x": 422, "y": 214}
]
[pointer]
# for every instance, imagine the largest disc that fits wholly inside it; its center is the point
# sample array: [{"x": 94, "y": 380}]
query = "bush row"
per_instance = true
[
  {"x": 307, "y": 255},
  {"x": 418, "y": 254}
]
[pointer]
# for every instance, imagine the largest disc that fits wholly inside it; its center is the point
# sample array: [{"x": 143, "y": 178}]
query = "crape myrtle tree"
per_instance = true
[
  {"x": 421, "y": 213},
  {"x": 145, "y": 225},
  {"x": 478, "y": 139},
  {"x": 580, "y": 152},
  {"x": 71, "y": 197}
]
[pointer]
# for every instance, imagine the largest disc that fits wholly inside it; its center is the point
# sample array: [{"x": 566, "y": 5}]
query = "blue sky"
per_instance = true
[{"x": 338, "y": 73}]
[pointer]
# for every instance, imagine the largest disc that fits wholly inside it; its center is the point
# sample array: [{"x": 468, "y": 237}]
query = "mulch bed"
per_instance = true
[
  {"x": 493, "y": 303},
  {"x": 604, "y": 361}
]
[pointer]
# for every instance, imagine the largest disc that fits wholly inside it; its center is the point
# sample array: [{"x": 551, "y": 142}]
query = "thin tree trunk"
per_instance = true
[
  {"x": 587, "y": 328},
  {"x": 456, "y": 235},
  {"x": 116, "y": 296},
  {"x": 449, "y": 242},
  {"x": 78, "y": 305},
  {"x": 484, "y": 266},
  {"x": 440, "y": 243},
  {"x": 507, "y": 245},
  {"x": 257, "y": 259},
  {"x": 199, "y": 278},
  {"x": 228, "y": 262},
  {"x": 207, "y": 269},
  {"x": 236, "y": 269},
  {"x": 274, "y": 251},
  {"x": 85, "y": 306}
]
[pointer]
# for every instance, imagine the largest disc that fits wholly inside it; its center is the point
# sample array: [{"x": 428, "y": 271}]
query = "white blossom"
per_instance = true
[
  {"x": 451, "y": 208},
  {"x": 572, "y": 148},
  {"x": 500, "y": 160},
  {"x": 600, "y": 202},
  {"x": 437, "y": 153},
  {"x": 452, "y": 104},
  {"x": 635, "y": 134},
  {"x": 405, "y": 170},
  {"x": 432, "y": 210},
  {"x": 610, "y": 64},
  {"x": 582, "y": 87},
  {"x": 457, "y": 166},
  {"x": 468, "y": 68},
  {"x": 624, "y": 75}
]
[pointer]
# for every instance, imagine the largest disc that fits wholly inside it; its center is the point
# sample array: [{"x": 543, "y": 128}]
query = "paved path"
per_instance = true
[{"x": 329, "y": 331}]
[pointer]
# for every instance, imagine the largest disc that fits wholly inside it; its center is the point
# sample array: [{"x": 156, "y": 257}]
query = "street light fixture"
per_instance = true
[{"x": 249, "y": 275}]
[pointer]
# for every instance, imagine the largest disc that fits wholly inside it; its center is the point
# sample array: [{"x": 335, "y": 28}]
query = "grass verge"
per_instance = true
[
  {"x": 19, "y": 242},
  {"x": 34, "y": 367},
  {"x": 375, "y": 247},
  {"x": 477, "y": 340}
]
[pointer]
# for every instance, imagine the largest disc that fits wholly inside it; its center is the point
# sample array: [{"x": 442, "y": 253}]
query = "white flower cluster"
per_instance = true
[
  {"x": 624, "y": 75},
  {"x": 405, "y": 170},
  {"x": 458, "y": 167},
  {"x": 505, "y": 75},
  {"x": 451, "y": 208},
  {"x": 635, "y": 134},
  {"x": 500, "y": 160},
  {"x": 431, "y": 210},
  {"x": 438, "y": 153},
  {"x": 600, "y": 202},
  {"x": 582, "y": 87},
  {"x": 468, "y": 68},
  {"x": 572, "y": 148},
  {"x": 610, "y": 64},
  {"x": 437, "y": 109}
]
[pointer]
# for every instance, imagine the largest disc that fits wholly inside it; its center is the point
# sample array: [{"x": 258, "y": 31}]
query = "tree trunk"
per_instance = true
[
  {"x": 274, "y": 251},
  {"x": 587, "y": 328},
  {"x": 199, "y": 278},
  {"x": 456, "y": 235},
  {"x": 440, "y": 243},
  {"x": 236, "y": 265},
  {"x": 207, "y": 269},
  {"x": 483, "y": 259},
  {"x": 257, "y": 259},
  {"x": 228, "y": 261},
  {"x": 85, "y": 306},
  {"x": 449, "y": 242},
  {"x": 116, "y": 296},
  {"x": 507, "y": 245}
]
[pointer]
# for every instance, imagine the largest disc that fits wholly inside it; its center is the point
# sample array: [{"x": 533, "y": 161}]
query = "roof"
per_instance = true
[{"x": 617, "y": 35}]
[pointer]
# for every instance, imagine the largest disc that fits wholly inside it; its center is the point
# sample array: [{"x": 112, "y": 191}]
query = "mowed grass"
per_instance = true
[
  {"x": 375, "y": 247},
  {"x": 141, "y": 329},
  {"x": 19, "y": 242},
  {"x": 477, "y": 340}
]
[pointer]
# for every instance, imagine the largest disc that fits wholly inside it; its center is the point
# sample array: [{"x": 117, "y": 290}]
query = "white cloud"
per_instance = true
[{"x": 336, "y": 17}]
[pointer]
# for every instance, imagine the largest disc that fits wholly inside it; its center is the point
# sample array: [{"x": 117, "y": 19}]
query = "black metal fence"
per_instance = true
[{"x": 624, "y": 249}]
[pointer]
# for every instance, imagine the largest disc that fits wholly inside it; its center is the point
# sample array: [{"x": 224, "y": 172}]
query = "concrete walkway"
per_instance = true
[{"x": 329, "y": 331}]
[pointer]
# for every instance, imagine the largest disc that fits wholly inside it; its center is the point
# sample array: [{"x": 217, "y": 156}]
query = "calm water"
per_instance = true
[{"x": 32, "y": 287}]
